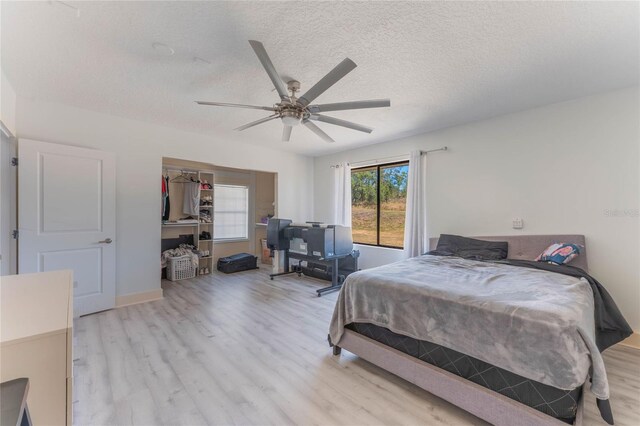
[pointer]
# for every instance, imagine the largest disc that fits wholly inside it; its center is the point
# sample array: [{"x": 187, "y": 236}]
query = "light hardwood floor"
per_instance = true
[{"x": 241, "y": 349}]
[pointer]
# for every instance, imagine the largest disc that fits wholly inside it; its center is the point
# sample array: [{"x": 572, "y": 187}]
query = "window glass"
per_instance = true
[
  {"x": 378, "y": 196},
  {"x": 231, "y": 212},
  {"x": 364, "y": 205},
  {"x": 393, "y": 203}
]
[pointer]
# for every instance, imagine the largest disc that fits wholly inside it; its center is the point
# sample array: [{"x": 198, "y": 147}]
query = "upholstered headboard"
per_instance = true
[{"x": 528, "y": 247}]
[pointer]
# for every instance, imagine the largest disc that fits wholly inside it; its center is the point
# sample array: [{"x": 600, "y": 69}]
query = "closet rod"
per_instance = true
[
  {"x": 189, "y": 171},
  {"x": 388, "y": 159}
]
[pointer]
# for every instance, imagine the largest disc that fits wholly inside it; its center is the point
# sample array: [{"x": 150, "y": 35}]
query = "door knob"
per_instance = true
[{"x": 107, "y": 241}]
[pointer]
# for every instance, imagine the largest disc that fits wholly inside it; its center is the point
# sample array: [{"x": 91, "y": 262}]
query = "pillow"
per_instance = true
[
  {"x": 559, "y": 253},
  {"x": 470, "y": 248}
]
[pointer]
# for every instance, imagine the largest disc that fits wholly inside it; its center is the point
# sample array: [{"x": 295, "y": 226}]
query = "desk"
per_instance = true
[{"x": 333, "y": 262}]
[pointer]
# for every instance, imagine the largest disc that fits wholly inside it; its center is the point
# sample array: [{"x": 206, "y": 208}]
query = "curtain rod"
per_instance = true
[{"x": 387, "y": 159}]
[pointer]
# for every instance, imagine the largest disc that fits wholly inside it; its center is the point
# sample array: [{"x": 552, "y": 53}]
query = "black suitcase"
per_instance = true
[{"x": 237, "y": 262}]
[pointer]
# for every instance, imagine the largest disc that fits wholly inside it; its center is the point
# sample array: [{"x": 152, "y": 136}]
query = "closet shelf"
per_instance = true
[{"x": 173, "y": 225}]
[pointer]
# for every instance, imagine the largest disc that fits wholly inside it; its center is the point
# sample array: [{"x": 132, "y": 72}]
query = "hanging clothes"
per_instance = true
[
  {"x": 166, "y": 204},
  {"x": 164, "y": 196},
  {"x": 191, "y": 203}
]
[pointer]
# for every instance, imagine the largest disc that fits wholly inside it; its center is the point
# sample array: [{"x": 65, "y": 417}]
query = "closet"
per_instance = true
[{"x": 187, "y": 212}]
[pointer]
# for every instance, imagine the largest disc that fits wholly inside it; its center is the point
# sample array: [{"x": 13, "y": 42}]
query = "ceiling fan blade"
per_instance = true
[
  {"x": 342, "y": 69},
  {"x": 286, "y": 133},
  {"x": 270, "y": 69},
  {"x": 338, "y": 122},
  {"x": 255, "y": 123},
  {"x": 315, "y": 129},
  {"x": 341, "y": 106},
  {"x": 235, "y": 105}
]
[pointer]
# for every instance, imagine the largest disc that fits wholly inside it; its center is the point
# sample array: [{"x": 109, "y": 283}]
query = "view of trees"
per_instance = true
[
  {"x": 393, "y": 185},
  {"x": 393, "y": 194}
]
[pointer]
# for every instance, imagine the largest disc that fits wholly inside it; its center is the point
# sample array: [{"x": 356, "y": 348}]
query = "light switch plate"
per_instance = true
[{"x": 518, "y": 223}]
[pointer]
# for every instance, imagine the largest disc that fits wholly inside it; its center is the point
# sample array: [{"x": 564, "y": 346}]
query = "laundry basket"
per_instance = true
[{"x": 180, "y": 268}]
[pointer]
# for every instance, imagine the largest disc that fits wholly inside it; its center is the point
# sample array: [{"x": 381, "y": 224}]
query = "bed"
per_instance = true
[{"x": 501, "y": 377}]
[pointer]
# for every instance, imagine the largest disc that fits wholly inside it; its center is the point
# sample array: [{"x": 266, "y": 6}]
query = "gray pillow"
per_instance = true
[{"x": 470, "y": 248}]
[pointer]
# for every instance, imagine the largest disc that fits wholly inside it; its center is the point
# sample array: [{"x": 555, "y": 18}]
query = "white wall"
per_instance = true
[
  {"x": 567, "y": 168},
  {"x": 139, "y": 148},
  {"x": 7, "y": 103}
]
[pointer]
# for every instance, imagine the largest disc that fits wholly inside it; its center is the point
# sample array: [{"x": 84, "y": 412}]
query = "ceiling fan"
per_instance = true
[{"x": 293, "y": 110}]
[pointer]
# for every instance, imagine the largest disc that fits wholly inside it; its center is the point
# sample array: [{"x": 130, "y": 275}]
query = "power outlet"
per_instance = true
[{"x": 518, "y": 223}]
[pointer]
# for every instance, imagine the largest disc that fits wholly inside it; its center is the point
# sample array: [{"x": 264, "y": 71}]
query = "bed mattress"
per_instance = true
[{"x": 558, "y": 403}]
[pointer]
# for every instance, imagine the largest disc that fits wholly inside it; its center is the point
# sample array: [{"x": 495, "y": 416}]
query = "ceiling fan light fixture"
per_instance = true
[
  {"x": 294, "y": 110},
  {"x": 291, "y": 118}
]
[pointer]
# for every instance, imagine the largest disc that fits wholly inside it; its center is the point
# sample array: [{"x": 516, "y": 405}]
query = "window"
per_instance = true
[
  {"x": 231, "y": 212},
  {"x": 378, "y": 204}
]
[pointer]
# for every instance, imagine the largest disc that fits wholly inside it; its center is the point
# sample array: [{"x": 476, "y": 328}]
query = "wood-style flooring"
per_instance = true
[{"x": 241, "y": 349}]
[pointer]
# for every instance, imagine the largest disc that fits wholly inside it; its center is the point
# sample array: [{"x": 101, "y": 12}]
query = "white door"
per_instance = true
[{"x": 66, "y": 218}]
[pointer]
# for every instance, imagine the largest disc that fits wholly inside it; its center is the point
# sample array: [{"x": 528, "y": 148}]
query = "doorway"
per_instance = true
[{"x": 8, "y": 206}]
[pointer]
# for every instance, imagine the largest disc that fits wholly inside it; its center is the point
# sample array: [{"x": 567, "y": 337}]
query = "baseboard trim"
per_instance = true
[
  {"x": 632, "y": 341},
  {"x": 135, "y": 298}
]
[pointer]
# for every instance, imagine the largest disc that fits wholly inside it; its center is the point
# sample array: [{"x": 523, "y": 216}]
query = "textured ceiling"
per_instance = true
[{"x": 440, "y": 63}]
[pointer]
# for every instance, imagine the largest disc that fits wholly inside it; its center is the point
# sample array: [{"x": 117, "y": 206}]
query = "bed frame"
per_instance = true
[{"x": 486, "y": 404}]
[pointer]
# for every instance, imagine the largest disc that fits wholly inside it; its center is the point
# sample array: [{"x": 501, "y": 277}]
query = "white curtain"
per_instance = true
[
  {"x": 342, "y": 194},
  {"x": 416, "y": 239}
]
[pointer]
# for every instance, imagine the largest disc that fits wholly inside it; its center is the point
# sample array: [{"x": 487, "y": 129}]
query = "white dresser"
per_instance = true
[{"x": 36, "y": 321}]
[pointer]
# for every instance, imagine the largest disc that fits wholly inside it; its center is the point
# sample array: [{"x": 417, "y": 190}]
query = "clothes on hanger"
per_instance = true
[
  {"x": 166, "y": 204},
  {"x": 185, "y": 177},
  {"x": 191, "y": 201}
]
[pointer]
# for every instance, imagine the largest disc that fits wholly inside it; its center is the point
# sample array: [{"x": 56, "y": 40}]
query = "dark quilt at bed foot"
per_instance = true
[{"x": 558, "y": 403}]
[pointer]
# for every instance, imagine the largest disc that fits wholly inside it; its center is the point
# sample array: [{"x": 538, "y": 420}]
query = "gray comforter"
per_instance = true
[{"x": 534, "y": 323}]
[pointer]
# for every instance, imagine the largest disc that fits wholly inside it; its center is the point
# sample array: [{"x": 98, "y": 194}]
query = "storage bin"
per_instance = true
[{"x": 180, "y": 268}]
